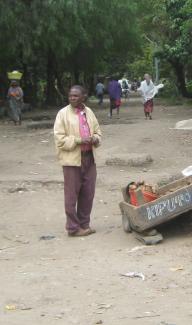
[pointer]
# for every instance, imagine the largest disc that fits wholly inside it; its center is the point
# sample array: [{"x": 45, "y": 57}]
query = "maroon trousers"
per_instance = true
[
  {"x": 148, "y": 106},
  {"x": 79, "y": 190}
]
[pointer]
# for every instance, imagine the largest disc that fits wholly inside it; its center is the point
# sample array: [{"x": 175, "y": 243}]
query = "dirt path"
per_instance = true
[{"x": 77, "y": 281}]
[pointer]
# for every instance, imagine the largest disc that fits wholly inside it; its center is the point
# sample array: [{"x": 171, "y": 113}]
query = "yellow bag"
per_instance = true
[{"x": 14, "y": 75}]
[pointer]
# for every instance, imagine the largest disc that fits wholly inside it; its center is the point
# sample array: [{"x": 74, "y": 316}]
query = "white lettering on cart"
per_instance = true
[{"x": 168, "y": 205}]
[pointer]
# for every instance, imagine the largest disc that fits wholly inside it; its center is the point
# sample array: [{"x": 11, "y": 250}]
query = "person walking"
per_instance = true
[
  {"x": 114, "y": 89},
  {"x": 15, "y": 98},
  {"x": 100, "y": 88},
  {"x": 148, "y": 91},
  {"x": 77, "y": 135}
]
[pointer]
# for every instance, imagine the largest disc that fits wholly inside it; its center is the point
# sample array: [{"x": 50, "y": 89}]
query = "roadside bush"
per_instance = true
[
  {"x": 170, "y": 89},
  {"x": 189, "y": 86}
]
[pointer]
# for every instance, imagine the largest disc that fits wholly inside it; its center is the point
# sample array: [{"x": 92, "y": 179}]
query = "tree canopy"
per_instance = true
[
  {"x": 169, "y": 25},
  {"x": 58, "y": 42}
]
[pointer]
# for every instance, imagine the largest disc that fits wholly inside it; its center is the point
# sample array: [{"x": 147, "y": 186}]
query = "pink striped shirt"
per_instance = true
[{"x": 84, "y": 129}]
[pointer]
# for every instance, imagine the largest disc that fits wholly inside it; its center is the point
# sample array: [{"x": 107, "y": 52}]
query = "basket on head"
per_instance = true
[{"x": 14, "y": 75}]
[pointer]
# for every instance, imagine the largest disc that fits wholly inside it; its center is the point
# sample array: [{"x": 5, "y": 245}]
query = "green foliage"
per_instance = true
[
  {"x": 170, "y": 89},
  {"x": 47, "y": 38},
  {"x": 171, "y": 30},
  {"x": 189, "y": 86},
  {"x": 142, "y": 64}
]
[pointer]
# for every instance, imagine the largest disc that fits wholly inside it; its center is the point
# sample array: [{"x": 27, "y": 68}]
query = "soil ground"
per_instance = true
[{"x": 77, "y": 280}]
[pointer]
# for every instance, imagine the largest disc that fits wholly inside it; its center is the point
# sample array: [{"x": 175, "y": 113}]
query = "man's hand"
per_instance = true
[
  {"x": 87, "y": 140},
  {"x": 95, "y": 140}
]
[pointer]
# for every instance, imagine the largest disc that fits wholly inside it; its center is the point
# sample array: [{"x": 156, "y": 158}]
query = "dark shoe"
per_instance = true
[{"x": 80, "y": 233}]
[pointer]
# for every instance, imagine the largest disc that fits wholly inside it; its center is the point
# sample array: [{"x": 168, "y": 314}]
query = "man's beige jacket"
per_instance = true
[{"x": 67, "y": 135}]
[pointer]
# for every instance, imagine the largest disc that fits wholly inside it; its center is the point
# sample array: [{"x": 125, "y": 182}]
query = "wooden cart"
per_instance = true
[{"x": 174, "y": 199}]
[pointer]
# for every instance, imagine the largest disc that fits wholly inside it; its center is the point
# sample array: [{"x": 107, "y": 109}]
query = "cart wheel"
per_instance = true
[{"x": 126, "y": 223}]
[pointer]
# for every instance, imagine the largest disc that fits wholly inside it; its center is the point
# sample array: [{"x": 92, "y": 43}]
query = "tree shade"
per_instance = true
[{"x": 59, "y": 42}]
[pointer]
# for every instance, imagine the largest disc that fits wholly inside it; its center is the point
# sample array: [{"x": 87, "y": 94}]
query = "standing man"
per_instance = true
[
  {"x": 115, "y": 92},
  {"x": 77, "y": 134},
  {"x": 100, "y": 92}
]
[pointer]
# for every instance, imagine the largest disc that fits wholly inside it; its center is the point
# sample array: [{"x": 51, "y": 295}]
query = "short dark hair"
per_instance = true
[{"x": 80, "y": 88}]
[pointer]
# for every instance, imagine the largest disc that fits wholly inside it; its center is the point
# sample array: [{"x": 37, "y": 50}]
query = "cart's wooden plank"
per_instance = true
[
  {"x": 132, "y": 214},
  {"x": 159, "y": 211},
  {"x": 125, "y": 195},
  {"x": 176, "y": 184}
]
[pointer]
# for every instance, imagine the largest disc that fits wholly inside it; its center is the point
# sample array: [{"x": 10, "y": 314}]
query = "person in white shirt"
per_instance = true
[{"x": 148, "y": 91}]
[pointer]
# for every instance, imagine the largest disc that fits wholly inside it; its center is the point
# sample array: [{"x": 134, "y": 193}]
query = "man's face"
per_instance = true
[
  {"x": 76, "y": 97},
  {"x": 14, "y": 84},
  {"x": 147, "y": 78}
]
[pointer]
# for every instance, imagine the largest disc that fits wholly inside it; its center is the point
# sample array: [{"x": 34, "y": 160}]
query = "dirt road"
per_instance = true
[{"x": 77, "y": 281}]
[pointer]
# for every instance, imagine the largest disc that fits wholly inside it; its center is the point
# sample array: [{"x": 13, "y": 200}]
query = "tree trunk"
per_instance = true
[
  {"x": 50, "y": 90},
  {"x": 29, "y": 85},
  {"x": 91, "y": 84},
  {"x": 3, "y": 84},
  {"x": 180, "y": 74},
  {"x": 76, "y": 77},
  {"x": 61, "y": 96}
]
